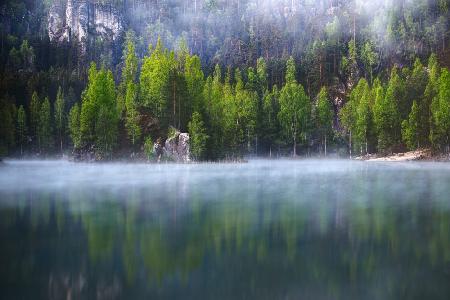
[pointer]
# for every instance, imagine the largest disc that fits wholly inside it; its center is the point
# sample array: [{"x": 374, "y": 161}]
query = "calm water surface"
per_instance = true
[{"x": 262, "y": 230}]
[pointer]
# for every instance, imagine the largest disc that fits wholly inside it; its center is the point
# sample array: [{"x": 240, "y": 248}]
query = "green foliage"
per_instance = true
[
  {"x": 60, "y": 117},
  {"x": 194, "y": 78},
  {"x": 21, "y": 128},
  {"x": 295, "y": 108},
  {"x": 99, "y": 117},
  {"x": 7, "y": 128},
  {"x": 74, "y": 126},
  {"x": 324, "y": 118},
  {"x": 132, "y": 118},
  {"x": 349, "y": 116},
  {"x": 386, "y": 116},
  {"x": 35, "y": 107},
  {"x": 369, "y": 58},
  {"x": 270, "y": 128},
  {"x": 148, "y": 148},
  {"x": 441, "y": 113},
  {"x": 410, "y": 128},
  {"x": 198, "y": 136},
  {"x": 129, "y": 73},
  {"x": 155, "y": 83},
  {"x": 364, "y": 120},
  {"x": 45, "y": 135}
]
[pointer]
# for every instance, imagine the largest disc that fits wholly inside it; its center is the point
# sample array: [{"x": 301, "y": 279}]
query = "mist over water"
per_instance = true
[{"x": 310, "y": 229}]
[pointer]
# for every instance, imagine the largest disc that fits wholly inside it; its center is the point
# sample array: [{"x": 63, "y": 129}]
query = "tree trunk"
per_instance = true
[
  {"x": 325, "y": 145},
  {"x": 174, "y": 104},
  {"x": 350, "y": 143},
  {"x": 295, "y": 146}
]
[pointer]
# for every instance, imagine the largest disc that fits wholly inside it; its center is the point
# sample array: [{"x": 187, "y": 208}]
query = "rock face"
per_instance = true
[
  {"x": 77, "y": 19},
  {"x": 177, "y": 147}
]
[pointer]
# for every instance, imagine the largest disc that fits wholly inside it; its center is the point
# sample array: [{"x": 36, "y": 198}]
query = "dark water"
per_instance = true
[{"x": 263, "y": 230}]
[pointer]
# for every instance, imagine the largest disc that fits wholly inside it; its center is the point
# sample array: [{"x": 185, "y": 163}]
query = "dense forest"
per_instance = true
[{"x": 244, "y": 78}]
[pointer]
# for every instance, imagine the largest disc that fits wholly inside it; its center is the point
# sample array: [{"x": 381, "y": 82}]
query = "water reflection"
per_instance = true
[{"x": 266, "y": 230}]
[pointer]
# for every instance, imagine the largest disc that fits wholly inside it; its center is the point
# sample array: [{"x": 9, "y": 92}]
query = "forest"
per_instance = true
[{"x": 243, "y": 78}]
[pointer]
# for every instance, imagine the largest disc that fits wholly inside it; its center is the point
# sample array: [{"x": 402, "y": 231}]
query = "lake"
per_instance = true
[{"x": 259, "y": 230}]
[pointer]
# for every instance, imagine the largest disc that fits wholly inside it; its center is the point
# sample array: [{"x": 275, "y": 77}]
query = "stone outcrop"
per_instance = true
[
  {"x": 78, "y": 19},
  {"x": 177, "y": 147}
]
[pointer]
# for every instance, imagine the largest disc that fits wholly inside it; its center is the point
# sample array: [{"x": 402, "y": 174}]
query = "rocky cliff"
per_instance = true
[{"x": 79, "y": 19}]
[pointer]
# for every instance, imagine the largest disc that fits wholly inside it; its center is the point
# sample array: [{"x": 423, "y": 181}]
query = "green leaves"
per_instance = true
[
  {"x": 295, "y": 108},
  {"x": 410, "y": 128},
  {"x": 99, "y": 117},
  {"x": 198, "y": 136},
  {"x": 441, "y": 113}
]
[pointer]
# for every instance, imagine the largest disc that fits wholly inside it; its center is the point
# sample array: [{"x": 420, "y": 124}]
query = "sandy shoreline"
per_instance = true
[{"x": 418, "y": 155}]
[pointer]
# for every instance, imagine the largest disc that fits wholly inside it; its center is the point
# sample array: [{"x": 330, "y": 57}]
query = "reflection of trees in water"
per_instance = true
[{"x": 337, "y": 231}]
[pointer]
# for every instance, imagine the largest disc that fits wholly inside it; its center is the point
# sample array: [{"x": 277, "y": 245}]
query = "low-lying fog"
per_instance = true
[{"x": 305, "y": 177}]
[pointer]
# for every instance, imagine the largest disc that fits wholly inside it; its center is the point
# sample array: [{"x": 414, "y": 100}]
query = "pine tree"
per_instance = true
[
  {"x": 410, "y": 128},
  {"x": 7, "y": 128},
  {"x": 60, "y": 117},
  {"x": 45, "y": 127},
  {"x": 295, "y": 107},
  {"x": 364, "y": 120},
  {"x": 431, "y": 92},
  {"x": 386, "y": 116},
  {"x": 348, "y": 115},
  {"x": 129, "y": 71},
  {"x": 132, "y": 118},
  {"x": 35, "y": 107},
  {"x": 324, "y": 118},
  {"x": 155, "y": 83},
  {"x": 194, "y": 77},
  {"x": 74, "y": 126},
  {"x": 21, "y": 128},
  {"x": 441, "y": 113},
  {"x": 198, "y": 136},
  {"x": 99, "y": 117}
]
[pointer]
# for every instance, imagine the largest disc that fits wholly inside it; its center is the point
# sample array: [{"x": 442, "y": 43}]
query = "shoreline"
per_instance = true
[{"x": 417, "y": 155}]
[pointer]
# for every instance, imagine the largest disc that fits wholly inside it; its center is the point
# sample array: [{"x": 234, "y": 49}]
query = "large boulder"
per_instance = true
[{"x": 177, "y": 147}]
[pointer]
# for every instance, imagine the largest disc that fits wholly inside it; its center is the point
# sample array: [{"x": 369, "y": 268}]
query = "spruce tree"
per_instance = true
[
  {"x": 60, "y": 117},
  {"x": 295, "y": 108},
  {"x": 410, "y": 128},
  {"x": 45, "y": 127},
  {"x": 21, "y": 128},
  {"x": 74, "y": 126},
  {"x": 324, "y": 118},
  {"x": 198, "y": 136}
]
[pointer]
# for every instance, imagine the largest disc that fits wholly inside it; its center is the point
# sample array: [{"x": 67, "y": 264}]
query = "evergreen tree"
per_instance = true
[
  {"x": 194, "y": 77},
  {"x": 348, "y": 115},
  {"x": 60, "y": 117},
  {"x": 21, "y": 128},
  {"x": 270, "y": 120},
  {"x": 198, "y": 136},
  {"x": 364, "y": 120},
  {"x": 155, "y": 83},
  {"x": 295, "y": 107},
  {"x": 431, "y": 92},
  {"x": 99, "y": 117},
  {"x": 45, "y": 127},
  {"x": 370, "y": 59},
  {"x": 386, "y": 116},
  {"x": 441, "y": 113},
  {"x": 7, "y": 128},
  {"x": 132, "y": 118},
  {"x": 35, "y": 107},
  {"x": 129, "y": 71},
  {"x": 410, "y": 128},
  {"x": 324, "y": 118},
  {"x": 74, "y": 126}
]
